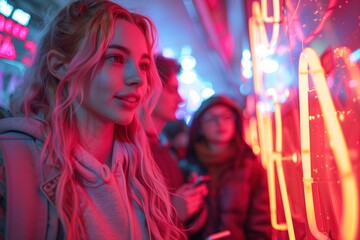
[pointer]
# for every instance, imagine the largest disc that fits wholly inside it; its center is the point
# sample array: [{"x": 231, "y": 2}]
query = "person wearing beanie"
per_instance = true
[{"x": 238, "y": 200}]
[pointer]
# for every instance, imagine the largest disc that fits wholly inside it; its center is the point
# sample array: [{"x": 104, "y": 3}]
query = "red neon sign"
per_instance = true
[
  {"x": 7, "y": 49},
  {"x": 14, "y": 29},
  {"x": 28, "y": 59},
  {"x": 9, "y": 31}
]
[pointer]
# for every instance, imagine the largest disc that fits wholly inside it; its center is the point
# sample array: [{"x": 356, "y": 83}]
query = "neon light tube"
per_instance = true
[
  {"x": 277, "y": 157},
  {"x": 349, "y": 221}
]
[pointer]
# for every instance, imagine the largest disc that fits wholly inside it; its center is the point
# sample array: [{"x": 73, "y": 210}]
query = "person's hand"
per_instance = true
[{"x": 188, "y": 199}]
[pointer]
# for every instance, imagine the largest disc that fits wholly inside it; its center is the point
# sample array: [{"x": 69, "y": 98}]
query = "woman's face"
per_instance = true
[
  {"x": 218, "y": 124},
  {"x": 120, "y": 85}
]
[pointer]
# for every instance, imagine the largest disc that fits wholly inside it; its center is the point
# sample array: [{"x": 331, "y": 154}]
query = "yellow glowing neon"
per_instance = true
[
  {"x": 265, "y": 134},
  {"x": 254, "y": 40},
  {"x": 253, "y": 136},
  {"x": 276, "y": 11},
  {"x": 261, "y": 16},
  {"x": 268, "y": 154},
  {"x": 277, "y": 157},
  {"x": 349, "y": 221},
  {"x": 258, "y": 36}
]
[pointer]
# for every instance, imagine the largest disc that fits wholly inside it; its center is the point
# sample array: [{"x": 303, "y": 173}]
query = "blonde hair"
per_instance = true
[{"x": 82, "y": 32}]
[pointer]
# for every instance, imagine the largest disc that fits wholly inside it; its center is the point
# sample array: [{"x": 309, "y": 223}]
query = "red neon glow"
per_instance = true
[
  {"x": 14, "y": 29},
  {"x": 28, "y": 59},
  {"x": 7, "y": 49}
]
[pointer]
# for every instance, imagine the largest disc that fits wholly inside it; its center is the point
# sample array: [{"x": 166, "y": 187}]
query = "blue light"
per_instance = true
[
  {"x": 168, "y": 52},
  {"x": 188, "y": 63},
  {"x": 246, "y": 54},
  {"x": 355, "y": 56},
  {"x": 21, "y": 17},
  {"x": 207, "y": 92},
  {"x": 5, "y": 8},
  {"x": 269, "y": 65},
  {"x": 188, "y": 77}
]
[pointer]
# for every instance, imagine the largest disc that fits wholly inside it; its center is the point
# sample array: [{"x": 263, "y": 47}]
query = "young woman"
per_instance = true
[
  {"x": 237, "y": 202},
  {"x": 75, "y": 160}
]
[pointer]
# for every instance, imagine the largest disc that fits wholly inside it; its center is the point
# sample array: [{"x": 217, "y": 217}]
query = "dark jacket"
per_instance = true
[
  {"x": 238, "y": 198},
  {"x": 167, "y": 164}
]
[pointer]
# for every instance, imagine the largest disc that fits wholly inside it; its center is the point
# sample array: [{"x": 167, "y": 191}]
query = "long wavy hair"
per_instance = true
[{"x": 82, "y": 31}]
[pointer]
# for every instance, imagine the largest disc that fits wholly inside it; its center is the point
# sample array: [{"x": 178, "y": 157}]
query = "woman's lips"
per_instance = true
[{"x": 129, "y": 101}]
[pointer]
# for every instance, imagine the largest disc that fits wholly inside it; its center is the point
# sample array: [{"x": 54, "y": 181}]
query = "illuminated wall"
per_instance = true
[{"x": 307, "y": 113}]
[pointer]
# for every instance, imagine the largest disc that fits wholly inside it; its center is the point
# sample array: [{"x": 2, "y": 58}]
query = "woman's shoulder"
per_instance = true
[{"x": 21, "y": 128}]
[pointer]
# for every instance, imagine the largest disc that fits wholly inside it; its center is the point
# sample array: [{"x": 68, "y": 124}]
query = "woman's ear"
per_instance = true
[{"x": 56, "y": 64}]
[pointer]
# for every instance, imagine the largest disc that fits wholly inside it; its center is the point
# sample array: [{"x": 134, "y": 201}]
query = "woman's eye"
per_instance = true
[
  {"x": 117, "y": 59},
  {"x": 145, "y": 66}
]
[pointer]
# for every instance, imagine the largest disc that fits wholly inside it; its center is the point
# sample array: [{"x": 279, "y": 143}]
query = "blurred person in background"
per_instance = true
[
  {"x": 187, "y": 199},
  {"x": 75, "y": 162},
  {"x": 176, "y": 133},
  {"x": 238, "y": 200}
]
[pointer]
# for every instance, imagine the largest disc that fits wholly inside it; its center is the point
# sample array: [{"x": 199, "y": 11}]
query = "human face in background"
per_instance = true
[
  {"x": 169, "y": 100},
  {"x": 218, "y": 124},
  {"x": 119, "y": 87}
]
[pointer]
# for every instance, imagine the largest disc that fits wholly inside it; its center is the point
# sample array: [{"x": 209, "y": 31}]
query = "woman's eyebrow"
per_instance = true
[
  {"x": 121, "y": 48},
  {"x": 127, "y": 51}
]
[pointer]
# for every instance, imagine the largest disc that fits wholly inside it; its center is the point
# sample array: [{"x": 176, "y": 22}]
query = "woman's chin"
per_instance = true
[{"x": 124, "y": 121}]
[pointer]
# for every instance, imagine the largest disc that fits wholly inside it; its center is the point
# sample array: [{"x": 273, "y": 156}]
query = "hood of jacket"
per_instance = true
[{"x": 30, "y": 126}]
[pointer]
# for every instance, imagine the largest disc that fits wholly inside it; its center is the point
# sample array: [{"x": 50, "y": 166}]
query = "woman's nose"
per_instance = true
[{"x": 132, "y": 73}]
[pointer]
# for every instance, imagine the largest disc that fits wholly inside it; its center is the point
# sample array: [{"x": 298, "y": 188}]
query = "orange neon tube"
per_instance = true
[
  {"x": 265, "y": 135},
  {"x": 261, "y": 16},
  {"x": 278, "y": 158},
  {"x": 257, "y": 34},
  {"x": 309, "y": 64}
]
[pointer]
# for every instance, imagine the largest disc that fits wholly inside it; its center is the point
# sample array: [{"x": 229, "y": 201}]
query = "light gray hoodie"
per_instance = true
[{"x": 27, "y": 190}]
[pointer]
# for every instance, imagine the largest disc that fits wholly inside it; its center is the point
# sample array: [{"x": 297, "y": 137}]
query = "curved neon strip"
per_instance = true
[
  {"x": 265, "y": 137},
  {"x": 254, "y": 138},
  {"x": 277, "y": 155},
  {"x": 264, "y": 133},
  {"x": 349, "y": 221},
  {"x": 254, "y": 41},
  {"x": 276, "y": 11},
  {"x": 259, "y": 20},
  {"x": 266, "y": 143},
  {"x": 258, "y": 33}
]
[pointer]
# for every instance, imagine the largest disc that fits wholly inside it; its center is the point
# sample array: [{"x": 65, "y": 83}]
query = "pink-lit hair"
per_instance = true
[{"x": 91, "y": 23}]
